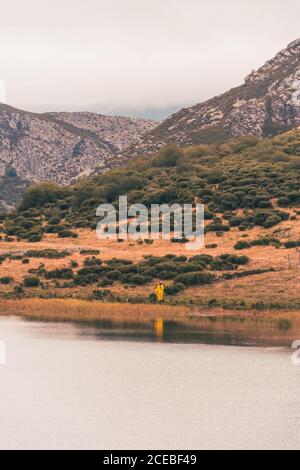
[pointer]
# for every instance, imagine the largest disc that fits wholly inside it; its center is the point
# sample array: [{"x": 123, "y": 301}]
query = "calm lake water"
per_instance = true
[{"x": 68, "y": 386}]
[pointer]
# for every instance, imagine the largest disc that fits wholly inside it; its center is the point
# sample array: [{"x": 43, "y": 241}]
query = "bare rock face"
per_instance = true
[
  {"x": 60, "y": 146},
  {"x": 118, "y": 130},
  {"x": 266, "y": 104}
]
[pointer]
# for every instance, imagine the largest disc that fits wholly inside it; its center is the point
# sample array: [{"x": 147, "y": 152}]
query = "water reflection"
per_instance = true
[
  {"x": 210, "y": 331},
  {"x": 136, "y": 385}
]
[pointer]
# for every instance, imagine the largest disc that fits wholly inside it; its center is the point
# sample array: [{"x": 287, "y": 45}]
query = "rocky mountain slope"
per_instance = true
[
  {"x": 61, "y": 146},
  {"x": 266, "y": 104},
  {"x": 119, "y": 130},
  {"x": 11, "y": 190}
]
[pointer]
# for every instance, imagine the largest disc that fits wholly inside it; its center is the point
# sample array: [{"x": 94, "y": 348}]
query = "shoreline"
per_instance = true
[
  {"x": 90, "y": 310},
  {"x": 68, "y": 305},
  {"x": 263, "y": 329}
]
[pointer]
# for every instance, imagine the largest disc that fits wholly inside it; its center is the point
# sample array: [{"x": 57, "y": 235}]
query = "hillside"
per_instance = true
[
  {"x": 60, "y": 146},
  {"x": 11, "y": 189},
  {"x": 119, "y": 130},
  {"x": 266, "y": 104},
  {"x": 250, "y": 188}
]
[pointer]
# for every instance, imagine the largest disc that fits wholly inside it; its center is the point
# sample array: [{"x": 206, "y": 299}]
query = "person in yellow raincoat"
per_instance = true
[{"x": 160, "y": 289}]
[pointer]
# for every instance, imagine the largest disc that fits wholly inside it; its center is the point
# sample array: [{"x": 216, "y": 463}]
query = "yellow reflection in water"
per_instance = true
[{"x": 159, "y": 328}]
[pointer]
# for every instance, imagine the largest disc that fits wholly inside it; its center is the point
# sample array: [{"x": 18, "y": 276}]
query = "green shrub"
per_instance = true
[
  {"x": 165, "y": 275},
  {"x": 271, "y": 221},
  {"x": 206, "y": 259},
  {"x": 54, "y": 220},
  {"x": 221, "y": 265},
  {"x": 168, "y": 156},
  {"x": 117, "y": 261},
  {"x": 35, "y": 237},
  {"x": 217, "y": 227},
  {"x": 173, "y": 289},
  {"x": 51, "y": 229},
  {"x": 179, "y": 240},
  {"x": 6, "y": 280},
  {"x": 181, "y": 259},
  {"x": 152, "y": 298},
  {"x": 130, "y": 268},
  {"x": 236, "y": 221},
  {"x": 67, "y": 234},
  {"x": 18, "y": 291},
  {"x": 113, "y": 275},
  {"x": 99, "y": 270},
  {"x": 266, "y": 241},
  {"x": 87, "y": 279},
  {"x": 2, "y": 258},
  {"x": 195, "y": 278},
  {"x": 15, "y": 257},
  {"x": 241, "y": 245},
  {"x": 284, "y": 324},
  {"x": 38, "y": 195},
  {"x": 292, "y": 244},
  {"x": 234, "y": 259},
  {"x": 283, "y": 201},
  {"x": 105, "y": 282},
  {"x": 135, "y": 279},
  {"x": 92, "y": 261},
  {"x": 31, "y": 281},
  {"x": 89, "y": 252},
  {"x": 63, "y": 273},
  {"x": 12, "y": 230},
  {"x": 47, "y": 253}
]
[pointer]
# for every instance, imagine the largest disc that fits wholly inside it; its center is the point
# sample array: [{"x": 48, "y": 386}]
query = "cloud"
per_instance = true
[
  {"x": 2, "y": 92},
  {"x": 136, "y": 53}
]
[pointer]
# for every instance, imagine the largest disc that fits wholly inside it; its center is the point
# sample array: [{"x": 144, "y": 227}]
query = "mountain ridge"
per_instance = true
[
  {"x": 56, "y": 147},
  {"x": 267, "y": 103}
]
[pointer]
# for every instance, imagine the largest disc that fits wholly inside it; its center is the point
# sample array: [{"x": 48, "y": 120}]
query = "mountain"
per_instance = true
[
  {"x": 61, "y": 146},
  {"x": 266, "y": 104}
]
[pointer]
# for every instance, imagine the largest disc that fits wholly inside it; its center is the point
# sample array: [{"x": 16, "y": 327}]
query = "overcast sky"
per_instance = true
[{"x": 127, "y": 54}]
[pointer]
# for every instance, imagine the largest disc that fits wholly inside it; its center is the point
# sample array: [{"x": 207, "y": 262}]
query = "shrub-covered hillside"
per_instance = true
[{"x": 243, "y": 183}]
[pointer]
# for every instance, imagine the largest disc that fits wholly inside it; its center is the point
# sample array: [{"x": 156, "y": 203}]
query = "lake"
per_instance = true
[{"x": 75, "y": 386}]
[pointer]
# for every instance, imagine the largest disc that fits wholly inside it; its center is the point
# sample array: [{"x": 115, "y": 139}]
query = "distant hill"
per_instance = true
[
  {"x": 266, "y": 104},
  {"x": 61, "y": 146}
]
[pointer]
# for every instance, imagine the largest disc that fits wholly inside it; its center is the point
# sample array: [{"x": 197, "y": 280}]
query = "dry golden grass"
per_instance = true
[
  {"x": 80, "y": 310},
  {"x": 279, "y": 286}
]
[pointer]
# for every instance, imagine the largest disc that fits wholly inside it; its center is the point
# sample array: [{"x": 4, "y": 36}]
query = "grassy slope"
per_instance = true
[{"x": 275, "y": 166}]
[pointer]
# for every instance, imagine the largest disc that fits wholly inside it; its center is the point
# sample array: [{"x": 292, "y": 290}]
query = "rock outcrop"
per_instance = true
[{"x": 60, "y": 146}]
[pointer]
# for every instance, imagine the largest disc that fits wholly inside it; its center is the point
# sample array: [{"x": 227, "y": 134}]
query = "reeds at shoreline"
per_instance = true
[{"x": 81, "y": 310}]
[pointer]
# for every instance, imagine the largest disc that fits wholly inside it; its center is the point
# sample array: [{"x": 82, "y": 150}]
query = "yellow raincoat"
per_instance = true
[{"x": 160, "y": 292}]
